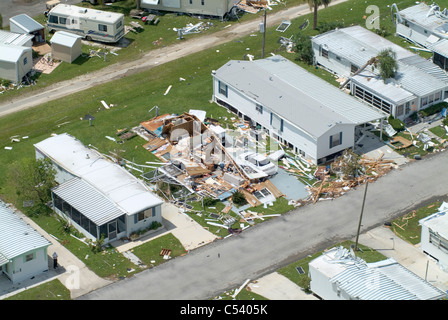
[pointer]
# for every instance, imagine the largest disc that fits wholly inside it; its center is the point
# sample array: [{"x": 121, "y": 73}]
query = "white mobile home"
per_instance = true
[
  {"x": 434, "y": 235},
  {"x": 417, "y": 84},
  {"x": 65, "y": 46},
  {"x": 91, "y": 24},
  {"x": 23, "y": 250},
  {"x": 15, "y": 62},
  {"x": 215, "y": 8},
  {"x": 295, "y": 107},
  {"x": 339, "y": 275},
  {"x": 17, "y": 39},
  {"x": 98, "y": 196},
  {"x": 421, "y": 23}
]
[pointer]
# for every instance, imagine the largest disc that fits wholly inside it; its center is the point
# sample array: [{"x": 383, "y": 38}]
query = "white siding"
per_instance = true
[{"x": 20, "y": 269}]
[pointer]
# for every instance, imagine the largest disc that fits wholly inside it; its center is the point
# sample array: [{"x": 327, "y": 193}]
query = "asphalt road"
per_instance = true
[{"x": 259, "y": 250}]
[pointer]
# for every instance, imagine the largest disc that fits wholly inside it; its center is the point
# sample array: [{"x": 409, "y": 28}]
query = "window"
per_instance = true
[
  {"x": 430, "y": 98},
  {"x": 222, "y": 88},
  {"x": 29, "y": 257},
  {"x": 148, "y": 213},
  {"x": 424, "y": 101},
  {"x": 191, "y": 1},
  {"x": 408, "y": 107},
  {"x": 259, "y": 108},
  {"x": 25, "y": 60},
  {"x": 53, "y": 19},
  {"x": 438, "y": 241},
  {"x": 353, "y": 68},
  {"x": 203, "y": 2},
  {"x": 102, "y": 27},
  {"x": 119, "y": 24},
  {"x": 324, "y": 53},
  {"x": 74, "y": 21},
  {"x": 400, "y": 110},
  {"x": 62, "y": 20},
  {"x": 335, "y": 140},
  {"x": 437, "y": 96}
]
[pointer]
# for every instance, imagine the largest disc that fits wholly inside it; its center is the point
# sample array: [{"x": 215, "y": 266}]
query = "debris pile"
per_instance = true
[
  {"x": 349, "y": 171},
  {"x": 194, "y": 158}
]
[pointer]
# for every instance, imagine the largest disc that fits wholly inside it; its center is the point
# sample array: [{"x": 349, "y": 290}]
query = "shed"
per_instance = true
[
  {"x": 66, "y": 46},
  {"x": 15, "y": 62},
  {"x": 23, "y": 250},
  {"x": 23, "y": 23}
]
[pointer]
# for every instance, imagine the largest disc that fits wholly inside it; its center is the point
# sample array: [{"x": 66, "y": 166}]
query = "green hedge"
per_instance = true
[{"x": 433, "y": 109}]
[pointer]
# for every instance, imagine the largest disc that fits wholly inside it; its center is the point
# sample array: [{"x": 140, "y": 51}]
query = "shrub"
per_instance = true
[
  {"x": 239, "y": 199},
  {"x": 208, "y": 201},
  {"x": 323, "y": 27},
  {"x": 304, "y": 48},
  {"x": 433, "y": 109},
  {"x": 397, "y": 124}
]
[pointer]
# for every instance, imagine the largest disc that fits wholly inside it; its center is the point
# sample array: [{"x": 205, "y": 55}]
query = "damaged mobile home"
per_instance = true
[{"x": 194, "y": 157}]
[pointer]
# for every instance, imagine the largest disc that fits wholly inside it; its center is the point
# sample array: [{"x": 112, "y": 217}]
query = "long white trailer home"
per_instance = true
[{"x": 91, "y": 24}]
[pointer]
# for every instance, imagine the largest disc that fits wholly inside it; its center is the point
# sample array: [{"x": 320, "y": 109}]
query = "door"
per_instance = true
[{"x": 112, "y": 229}]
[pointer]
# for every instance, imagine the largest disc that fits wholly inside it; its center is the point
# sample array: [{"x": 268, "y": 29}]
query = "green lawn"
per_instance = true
[
  {"x": 440, "y": 132},
  {"x": 52, "y": 290},
  {"x": 407, "y": 227},
  {"x": 149, "y": 252}
]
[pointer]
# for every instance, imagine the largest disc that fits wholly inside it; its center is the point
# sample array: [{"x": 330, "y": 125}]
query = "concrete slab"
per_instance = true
[
  {"x": 290, "y": 186},
  {"x": 275, "y": 286},
  {"x": 373, "y": 148}
]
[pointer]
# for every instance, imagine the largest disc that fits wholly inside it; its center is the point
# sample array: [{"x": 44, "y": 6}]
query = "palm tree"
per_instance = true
[
  {"x": 314, "y": 4},
  {"x": 385, "y": 61}
]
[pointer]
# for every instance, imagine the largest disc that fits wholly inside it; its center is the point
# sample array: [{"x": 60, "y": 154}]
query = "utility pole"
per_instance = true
[
  {"x": 360, "y": 217},
  {"x": 264, "y": 33}
]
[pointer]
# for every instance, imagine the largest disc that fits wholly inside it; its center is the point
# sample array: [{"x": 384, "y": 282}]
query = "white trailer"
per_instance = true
[{"x": 91, "y": 24}]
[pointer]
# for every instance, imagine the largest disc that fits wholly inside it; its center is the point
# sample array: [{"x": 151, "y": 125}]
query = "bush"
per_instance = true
[
  {"x": 397, "y": 124},
  {"x": 445, "y": 121},
  {"x": 239, "y": 199},
  {"x": 208, "y": 201},
  {"x": 304, "y": 48},
  {"x": 433, "y": 109},
  {"x": 323, "y": 27}
]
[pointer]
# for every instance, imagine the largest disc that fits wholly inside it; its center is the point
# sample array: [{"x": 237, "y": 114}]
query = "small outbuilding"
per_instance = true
[
  {"x": 15, "y": 62},
  {"x": 23, "y": 23},
  {"x": 66, "y": 46}
]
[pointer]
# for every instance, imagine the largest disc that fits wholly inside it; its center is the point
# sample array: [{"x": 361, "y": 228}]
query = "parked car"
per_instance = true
[{"x": 260, "y": 161}]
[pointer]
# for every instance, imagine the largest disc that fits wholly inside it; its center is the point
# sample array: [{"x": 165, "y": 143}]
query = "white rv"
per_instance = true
[{"x": 91, "y": 24}]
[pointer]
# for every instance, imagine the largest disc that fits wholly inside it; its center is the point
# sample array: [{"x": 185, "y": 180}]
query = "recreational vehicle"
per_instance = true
[{"x": 91, "y": 24}]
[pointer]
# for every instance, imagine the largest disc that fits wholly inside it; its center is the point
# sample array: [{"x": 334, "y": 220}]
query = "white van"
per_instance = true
[{"x": 91, "y": 24}]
